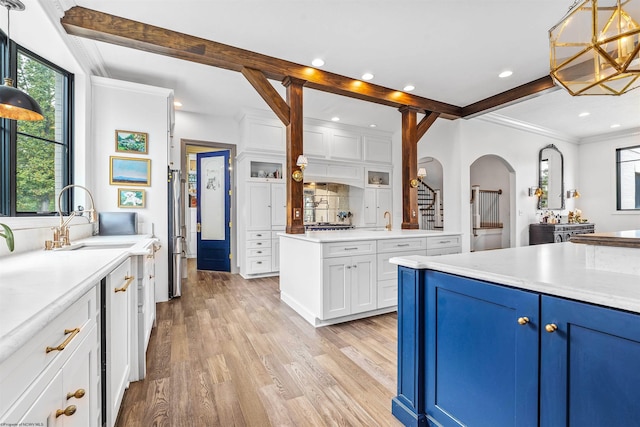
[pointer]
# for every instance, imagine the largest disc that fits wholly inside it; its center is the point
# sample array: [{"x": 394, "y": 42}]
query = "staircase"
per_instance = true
[{"x": 430, "y": 207}]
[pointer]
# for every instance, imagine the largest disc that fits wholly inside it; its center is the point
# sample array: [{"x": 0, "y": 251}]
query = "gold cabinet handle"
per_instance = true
[
  {"x": 523, "y": 320},
  {"x": 128, "y": 279},
  {"x": 68, "y": 411},
  {"x": 79, "y": 394},
  {"x": 66, "y": 342},
  {"x": 551, "y": 327}
]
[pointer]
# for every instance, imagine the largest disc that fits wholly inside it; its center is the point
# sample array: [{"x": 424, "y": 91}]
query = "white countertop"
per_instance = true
[
  {"x": 37, "y": 286},
  {"x": 327, "y": 236},
  {"x": 554, "y": 269}
]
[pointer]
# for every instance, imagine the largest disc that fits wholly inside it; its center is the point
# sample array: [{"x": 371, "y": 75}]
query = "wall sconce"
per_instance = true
[
  {"x": 535, "y": 191},
  {"x": 422, "y": 172},
  {"x": 302, "y": 162},
  {"x": 573, "y": 193}
]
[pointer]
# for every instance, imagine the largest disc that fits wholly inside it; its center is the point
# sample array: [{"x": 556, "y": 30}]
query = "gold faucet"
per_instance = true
[
  {"x": 388, "y": 226},
  {"x": 61, "y": 233}
]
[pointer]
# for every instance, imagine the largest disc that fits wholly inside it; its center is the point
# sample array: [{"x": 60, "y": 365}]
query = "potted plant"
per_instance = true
[{"x": 8, "y": 236}]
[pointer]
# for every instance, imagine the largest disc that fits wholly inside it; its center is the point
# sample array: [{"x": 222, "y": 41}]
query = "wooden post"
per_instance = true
[
  {"x": 409, "y": 167},
  {"x": 295, "y": 221}
]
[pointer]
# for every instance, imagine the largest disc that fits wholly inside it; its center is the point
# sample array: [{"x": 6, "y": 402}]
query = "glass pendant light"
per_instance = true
[{"x": 14, "y": 103}]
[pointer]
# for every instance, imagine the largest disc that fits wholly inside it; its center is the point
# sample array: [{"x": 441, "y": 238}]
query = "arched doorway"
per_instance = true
[{"x": 430, "y": 196}]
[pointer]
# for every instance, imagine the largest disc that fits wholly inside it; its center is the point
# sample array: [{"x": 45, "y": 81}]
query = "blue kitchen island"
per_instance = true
[{"x": 530, "y": 336}]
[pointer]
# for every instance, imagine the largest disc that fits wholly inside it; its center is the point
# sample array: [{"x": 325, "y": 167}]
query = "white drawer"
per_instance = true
[
  {"x": 443, "y": 251},
  {"x": 256, "y": 244},
  {"x": 338, "y": 249},
  {"x": 434, "y": 242},
  {"x": 26, "y": 364},
  {"x": 258, "y": 252},
  {"x": 387, "y": 293},
  {"x": 388, "y": 271},
  {"x": 259, "y": 265},
  {"x": 397, "y": 245},
  {"x": 257, "y": 235}
]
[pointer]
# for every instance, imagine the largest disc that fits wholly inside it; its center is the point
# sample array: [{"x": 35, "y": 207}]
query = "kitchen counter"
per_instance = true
[
  {"x": 558, "y": 269},
  {"x": 353, "y": 235},
  {"x": 37, "y": 286}
]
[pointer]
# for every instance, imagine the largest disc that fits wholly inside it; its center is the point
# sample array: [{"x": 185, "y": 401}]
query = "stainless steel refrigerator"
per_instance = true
[{"x": 177, "y": 233}]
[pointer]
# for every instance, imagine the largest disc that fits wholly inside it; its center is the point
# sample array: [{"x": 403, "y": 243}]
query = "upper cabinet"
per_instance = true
[
  {"x": 345, "y": 145},
  {"x": 263, "y": 134},
  {"x": 377, "y": 149}
]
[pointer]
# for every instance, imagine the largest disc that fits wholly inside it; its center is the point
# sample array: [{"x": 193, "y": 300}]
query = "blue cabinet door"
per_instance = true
[
  {"x": 590, "y": 365},
  {"x": 482, "y": 353}
]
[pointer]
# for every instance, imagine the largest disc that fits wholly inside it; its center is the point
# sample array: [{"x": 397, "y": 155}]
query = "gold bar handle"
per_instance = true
[
  {"x": 79, "y": 394},
  {"x": 128, "y": 279},
  {"x": 68, "y": 411},
  {"x": 66, "y": 342}
]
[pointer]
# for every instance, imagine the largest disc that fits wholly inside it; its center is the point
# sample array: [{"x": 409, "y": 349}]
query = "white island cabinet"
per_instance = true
[{"x": 335, "y": 276}]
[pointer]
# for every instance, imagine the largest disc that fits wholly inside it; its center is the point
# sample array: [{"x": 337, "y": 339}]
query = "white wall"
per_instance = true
[
  {"x": 130, "y": 106},
  {"x": 597, "y": 184}
]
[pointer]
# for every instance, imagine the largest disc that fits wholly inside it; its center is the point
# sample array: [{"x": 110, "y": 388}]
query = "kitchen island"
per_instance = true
[
  {"x": 336, "y": 276},
  {"x": 529, "y": 336}
]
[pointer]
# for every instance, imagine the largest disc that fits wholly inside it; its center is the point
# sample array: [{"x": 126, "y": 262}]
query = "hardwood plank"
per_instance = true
[{"x": 230, "y": 353}]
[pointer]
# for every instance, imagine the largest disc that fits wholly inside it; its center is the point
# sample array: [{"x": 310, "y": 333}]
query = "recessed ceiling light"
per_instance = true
[
  {"x": 584, "y": 114},
  {"x": 615, "y": 125},
  {"x": 317, "y": 62},
  {"x": 372, "y": 125},
  {"x": 335, "y": 119},
  {"x": 367, "y": 76},
  {"x": 177, "y": 103},
  {"x": 505, "y": 73},
  {"x": 409, "y": 88}
]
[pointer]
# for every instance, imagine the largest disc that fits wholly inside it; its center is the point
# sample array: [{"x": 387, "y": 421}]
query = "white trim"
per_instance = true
[
  {"x": 610, "y": 136},
  {"x": 527, "y": 127},
  {"x": 131, "y": 86}
]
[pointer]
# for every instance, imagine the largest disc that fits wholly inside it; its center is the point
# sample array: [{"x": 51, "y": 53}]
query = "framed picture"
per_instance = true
[
  {"x": 130, "y": 198},
  {"x": 132, "y": 142},
  {"x": 130, "y": 171}
]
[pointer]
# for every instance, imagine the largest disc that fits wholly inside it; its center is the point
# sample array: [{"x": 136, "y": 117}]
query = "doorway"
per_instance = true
[{"x": 216, "y": 251}]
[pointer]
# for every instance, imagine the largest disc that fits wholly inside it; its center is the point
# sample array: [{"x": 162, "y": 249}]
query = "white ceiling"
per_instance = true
[{"x": 450, "y": 50}]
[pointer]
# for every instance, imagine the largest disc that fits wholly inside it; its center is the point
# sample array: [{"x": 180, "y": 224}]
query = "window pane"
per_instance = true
[
  {"x": 39, "y": 174},
  {"x": 628, "y": 178},
  {"x": 46, "y": 86}
]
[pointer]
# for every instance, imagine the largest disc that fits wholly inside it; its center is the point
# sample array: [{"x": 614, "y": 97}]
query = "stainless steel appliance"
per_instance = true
[{"x": 177, "y": 233}]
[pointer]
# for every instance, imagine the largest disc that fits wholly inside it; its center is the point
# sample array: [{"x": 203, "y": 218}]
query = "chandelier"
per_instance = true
[{"x": 595, "y": 48}]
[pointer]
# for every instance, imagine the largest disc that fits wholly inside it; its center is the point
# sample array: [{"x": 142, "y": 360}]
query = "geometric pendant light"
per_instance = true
[
  {"x": 595, "y": 49},
  {"x": 14, "y": 103}
]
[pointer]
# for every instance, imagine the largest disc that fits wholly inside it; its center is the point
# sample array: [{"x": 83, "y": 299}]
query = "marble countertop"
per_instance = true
[
  {"x": 557, "y": 269},
  {"x": 37, "y": 286},
  {"x": 353, "y": 235}
]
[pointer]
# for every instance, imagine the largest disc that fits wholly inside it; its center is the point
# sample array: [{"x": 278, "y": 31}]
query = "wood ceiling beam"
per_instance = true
[
  {"x": 512, "y": 96},
  {"x": 268, "y": 93},
  {"x": 409, "y": 167},
  {"x": 112, "y": 29}
]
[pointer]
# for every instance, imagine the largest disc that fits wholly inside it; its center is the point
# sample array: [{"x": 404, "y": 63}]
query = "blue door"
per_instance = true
[{"x": 214, "y": 211}]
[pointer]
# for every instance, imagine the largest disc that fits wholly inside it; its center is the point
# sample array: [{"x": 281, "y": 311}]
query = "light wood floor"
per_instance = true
[{"x": 230, "y": 353}]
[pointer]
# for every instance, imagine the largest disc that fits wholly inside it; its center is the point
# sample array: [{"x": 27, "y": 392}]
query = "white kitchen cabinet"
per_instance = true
[
  {"x": 144, "y": 317},
  {"x": 53, "y": 379},
  {"x": 346, "y": 145},
  {"x": 377, "y": 149},
  {"x": 387, "y": 272},
  {"x": 376, "y": 202},
  {"x": 349, "y": 285},
  {"x": 119, "y": 296}
]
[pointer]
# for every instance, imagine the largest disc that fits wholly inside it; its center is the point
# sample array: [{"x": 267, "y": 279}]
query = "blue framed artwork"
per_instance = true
[{"x": 130, "y": 171}]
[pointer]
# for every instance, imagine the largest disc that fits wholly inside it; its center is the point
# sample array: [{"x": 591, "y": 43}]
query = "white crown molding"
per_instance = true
[
  {"x": 83, "y": 51},
  {"x": 527, "y": 127},
  {"x": 612, "y": 135},
  {"x": 131, "y": 86}
]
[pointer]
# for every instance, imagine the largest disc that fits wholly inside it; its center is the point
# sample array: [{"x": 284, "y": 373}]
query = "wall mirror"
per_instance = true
[{"x": 551, "y": 178}]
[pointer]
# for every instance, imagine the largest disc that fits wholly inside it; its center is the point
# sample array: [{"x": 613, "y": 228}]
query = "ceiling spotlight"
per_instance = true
[
  {"x": 372, "y": 125},
  {"x": 317, "y": 62},
  {"x": 177, "y": 104},
  {"x": 615, "y": 125},
  {"x": 335, "y": 119},
  {"x": 584, "y": 114},
  {"x": 505, "y": 73},
  {"x": 367, "y": 76},
  {"x": 409, "y": 88}
]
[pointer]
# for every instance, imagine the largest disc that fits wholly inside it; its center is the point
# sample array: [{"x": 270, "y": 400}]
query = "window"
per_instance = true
[
  {"x": 628, "y": 178},
  {"x": 37, "y": 153}
]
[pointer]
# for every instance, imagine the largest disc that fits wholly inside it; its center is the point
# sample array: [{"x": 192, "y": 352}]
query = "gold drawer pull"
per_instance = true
[
  {"x": 523, "y": 320},
  {"x": 551, "y": 327},
  {"x": 68, "y": 411},
  {"x": 128, "y": 279},
  {"x": 79, "y": 394},
  {"x": 66, "y": 342}
]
